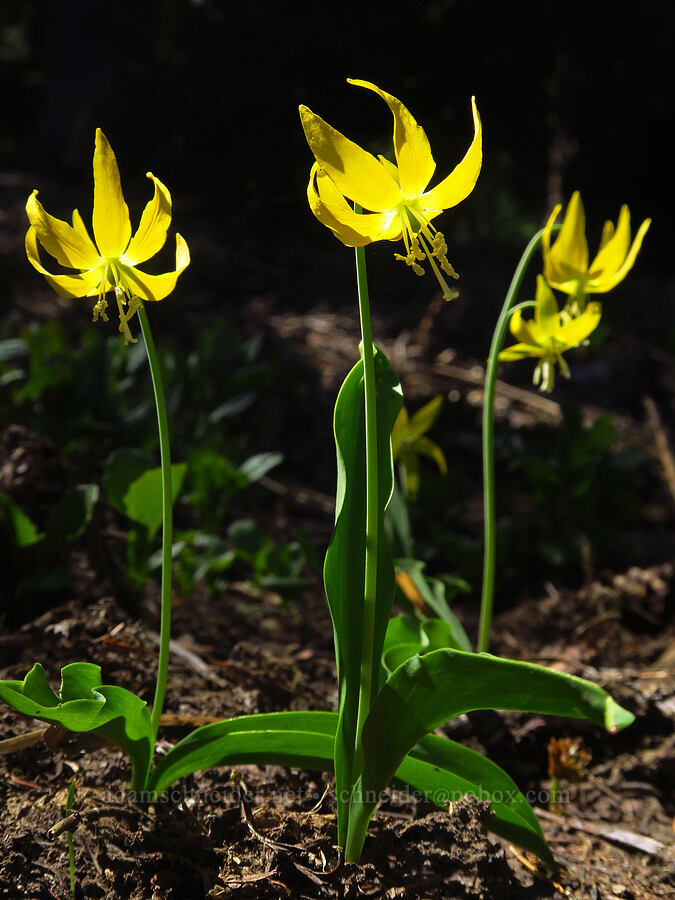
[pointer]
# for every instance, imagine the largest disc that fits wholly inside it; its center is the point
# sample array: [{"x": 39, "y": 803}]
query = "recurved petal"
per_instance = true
[
  {"x": 112, "y": 228},
  {"x": 355, "y": 172},
  {"x": 433, "y": 451},
  {"x": 460, "y": 182},
  {"x": 69, "y": 245},
  {"x": 66, "y": 285},
  {"x": 614, "y": 248},
  {"x": 549, "y": 273},
  {"x": 413, "y": 154},
  {"x": 333, "y": 211},
  {"x": 570, "y": 251},
  {"x": 577, "y": 330},
  {"x": 155, "y": 287},
  {"x": 546, "y": 312},
  {"x": 520, "y": 351},
  {"x": 611, "y": 280},
  {"x": 151, "y": 234},
  {"x": 525, "y": 332}
]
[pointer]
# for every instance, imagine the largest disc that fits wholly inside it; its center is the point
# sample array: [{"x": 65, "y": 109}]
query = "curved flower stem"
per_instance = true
[
  {"x": 372, "y": 517},
  {"x": 167, "y": 520},
  {"x": 489, "y": 513}
]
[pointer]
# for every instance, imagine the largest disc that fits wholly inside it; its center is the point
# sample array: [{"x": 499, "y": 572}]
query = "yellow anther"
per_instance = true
[
  {"x": 410, "y": 260},
  {"x": 100, "y": 309},
  {"x": 125, "y": 316}
]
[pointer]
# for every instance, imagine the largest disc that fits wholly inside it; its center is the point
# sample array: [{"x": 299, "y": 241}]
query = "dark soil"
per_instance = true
[{"x": 270, "y": 832}]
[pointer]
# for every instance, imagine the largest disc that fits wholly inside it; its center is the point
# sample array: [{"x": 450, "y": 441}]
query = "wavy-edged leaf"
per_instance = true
[
  {"x": 344, "y": 567},
  {"x": 408, "y": 635},
  {"x": 429, "y": 690},
  {"x": 84, "y": 704}
]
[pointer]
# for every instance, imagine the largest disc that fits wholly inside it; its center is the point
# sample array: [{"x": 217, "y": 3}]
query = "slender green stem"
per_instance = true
[
  {"x": 372, "y": 517},
  {"x": 489, "y": 513},
  {"x": 167, "y": 520}
]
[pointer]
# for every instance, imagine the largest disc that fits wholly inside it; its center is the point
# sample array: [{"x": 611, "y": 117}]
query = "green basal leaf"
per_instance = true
[
  {"x": 445, "y": 771},
  {"x": 344, "y": 566},
  {"x": 298, "y": 739},
  {"x": 408, "y": 635},
  {"x": 429, "y": 690},
  {"x": 440, "y": 769},
  {"x": 84, "y": 704}
]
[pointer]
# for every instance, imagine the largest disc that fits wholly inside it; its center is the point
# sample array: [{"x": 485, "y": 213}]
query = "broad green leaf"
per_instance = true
[
  {"x": 298, "y": 739},
  {"x": 440, "y": 769},
  {"x": 24, "y": 529},
  {"x": 445, "y": 771},
  {"x": 143, "y": 499},
  {"x": 122, "y": 468},
  {"x": 427, "y": 691},
  {"x": 344, "y": 566},
  {"x": 84, "y": 704},
  {"x": 408, "y": 635}
]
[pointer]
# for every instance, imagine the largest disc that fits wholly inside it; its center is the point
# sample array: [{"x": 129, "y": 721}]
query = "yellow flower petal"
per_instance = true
[
  {"x": 353, "y": 229},
  {"x": 613, "y": 249},
  {"x": 413, "y": 154},
  {"x": 399, "y": 431},
  {"x": 577, "y": 330},
  {"x": 550, "y": 274},
  {"x": 461, "y": 181},
  {"x": 570, "y": 251},
  {"x": 67, "y": 244},
  {"x": 520, "y": 351},
  {"x": 355, "y": 172},
  {"x": 521, "y": 330},
  {"x": 82, "y": 285},
  {"x": 112, "y": 228},
  {"x": 546, "y": 312},
  {"x": 151, "y": 234},
  {"x": 625, "y": 267},
  {"x": 154, "y": 287},
  {"x": 433, "y": 451},
  {"x": 424, "y": 418}
]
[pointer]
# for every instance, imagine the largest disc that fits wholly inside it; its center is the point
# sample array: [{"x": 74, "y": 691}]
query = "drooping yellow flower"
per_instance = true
[
  {"x": 549, "y": 335},
  {"x": 400, "y": 205},
  {"x": 110, "y": 263},
  {"x": 408, "y": 443},
  {"x": 566, "y": 262}
]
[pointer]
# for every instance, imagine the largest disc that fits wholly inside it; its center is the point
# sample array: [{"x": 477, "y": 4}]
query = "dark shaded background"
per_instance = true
[
  {"x": 205, "y": 94},
  {"x": 573, "y": 95}
]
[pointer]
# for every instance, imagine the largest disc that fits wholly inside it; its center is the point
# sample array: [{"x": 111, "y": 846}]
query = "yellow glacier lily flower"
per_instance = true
[
  {"x": 397, "y": 195},
  {"x": 110, "y": 263},
  {"x": 549, "y": 334},
  {"x": 566, "y": 262},
  {"x": 408, "y": 443}
]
